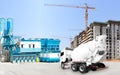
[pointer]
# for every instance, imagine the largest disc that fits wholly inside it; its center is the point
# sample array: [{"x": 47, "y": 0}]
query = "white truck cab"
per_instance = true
[{"x": 65, "y": 54}]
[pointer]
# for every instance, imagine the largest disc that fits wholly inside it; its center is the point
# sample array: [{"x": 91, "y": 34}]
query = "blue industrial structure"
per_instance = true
[
  {"x": 46, "y": 50},
  {"x": 50, "y": 50}
]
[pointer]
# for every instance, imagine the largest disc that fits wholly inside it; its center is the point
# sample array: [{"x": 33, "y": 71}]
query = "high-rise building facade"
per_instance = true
[{"x": 110, "y": 28}]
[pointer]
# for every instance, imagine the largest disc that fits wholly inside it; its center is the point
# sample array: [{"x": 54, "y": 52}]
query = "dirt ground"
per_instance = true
[{"x": 113, "y": 68}]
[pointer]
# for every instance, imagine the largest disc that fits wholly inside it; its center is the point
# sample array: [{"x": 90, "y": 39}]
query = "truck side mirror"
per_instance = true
[{"x": 62, "y": 53}]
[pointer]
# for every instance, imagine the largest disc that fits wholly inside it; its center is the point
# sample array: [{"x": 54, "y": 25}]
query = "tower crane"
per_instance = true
[{"x": 86, "y": 7}]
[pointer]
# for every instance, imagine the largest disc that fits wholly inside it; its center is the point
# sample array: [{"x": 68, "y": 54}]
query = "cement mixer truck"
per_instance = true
[{"x": 85, "y": 57}]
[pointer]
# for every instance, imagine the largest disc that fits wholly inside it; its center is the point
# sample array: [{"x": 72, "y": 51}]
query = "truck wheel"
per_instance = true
[
  {"x": 74, "y": 67},
  {"x": 62, "y": 65},
  {"x": 94, "y": 69},
  {"x": 83, "y": 68}
]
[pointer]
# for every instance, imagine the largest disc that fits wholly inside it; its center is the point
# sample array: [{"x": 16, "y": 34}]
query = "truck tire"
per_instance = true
[
  {"x": 74, "y": 67},
  {"x": 83, "y": 68},
  {"x": 93, "y": 69},
  {"x": 62, "y": 65}
]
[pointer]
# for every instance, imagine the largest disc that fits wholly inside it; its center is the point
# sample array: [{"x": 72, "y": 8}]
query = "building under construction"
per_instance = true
[{"x": 111, "y": 28}]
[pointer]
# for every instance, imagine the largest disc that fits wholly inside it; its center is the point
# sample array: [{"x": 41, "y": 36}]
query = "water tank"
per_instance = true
[
  {"x": 9, "y": 26},
  {"x": 2, "y": 25}
]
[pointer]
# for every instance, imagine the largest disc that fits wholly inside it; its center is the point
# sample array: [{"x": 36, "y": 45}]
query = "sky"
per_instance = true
[{"x": 32, "y": 19}]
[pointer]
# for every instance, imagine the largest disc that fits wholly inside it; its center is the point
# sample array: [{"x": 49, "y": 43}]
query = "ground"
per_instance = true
[{"x": 52, "y": 69}]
